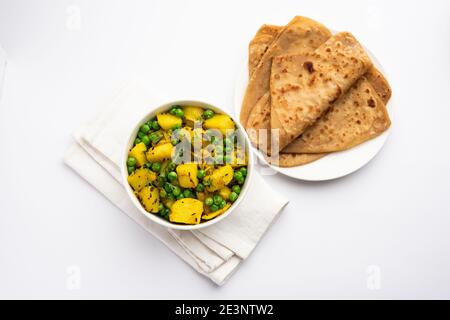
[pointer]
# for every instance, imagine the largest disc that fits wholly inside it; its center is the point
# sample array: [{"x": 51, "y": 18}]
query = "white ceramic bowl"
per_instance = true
[{"x": 154, "y": 217}]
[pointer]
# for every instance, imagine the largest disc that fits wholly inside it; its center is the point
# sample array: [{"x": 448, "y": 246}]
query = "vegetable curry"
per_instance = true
[{"x": 188, "y": 164}]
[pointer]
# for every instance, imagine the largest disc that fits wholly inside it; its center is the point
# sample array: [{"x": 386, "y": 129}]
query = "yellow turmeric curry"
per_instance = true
[{"x": 188, "y": 164}]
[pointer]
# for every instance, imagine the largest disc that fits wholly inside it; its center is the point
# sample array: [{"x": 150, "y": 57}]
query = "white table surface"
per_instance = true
[{"x": 383, "y": 232}]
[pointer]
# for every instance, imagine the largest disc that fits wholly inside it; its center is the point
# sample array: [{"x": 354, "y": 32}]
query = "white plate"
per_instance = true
[{"x": 333, "y": 165}]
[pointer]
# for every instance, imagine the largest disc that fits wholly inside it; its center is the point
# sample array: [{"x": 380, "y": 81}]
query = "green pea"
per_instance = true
[
  {"x": 172, "y": 176},
  {"x": 238, "y": 175},
  {"x": 243, "y": 170},
  {"x": 217, "y": 199},
  {"x": 171, "y": 166},
  {"x": 170, "y": 196},
  {"x": 131, "y": 161},
  {"x": 222, "y": 204},
  {"x": 174, "y": 142},
  {"x": 153, "y": 136},
  {"x": 145, "y": 128},
  {"x": 241, "y": 180},
  {"x": 214, "y": 207},
  {"x": 146, "y": 140},
  {"x": 163, "y": 193},
  {"x": 201, "y": 174},
  {"x": 173, "y": 110},
  {"x": 137, "y": 141},
  {"x": 176, "y": 191},
  {"x": 233, "y": 196},
  {"x": 209, "y": 201},
  {"x": 188, "y": 193},
  {"x": 208, "y": 114},
  {"x": 141, "y": 135},
  {"x": 156, "y": 167},
  {"x": 168, "y": 187},
  {"x": 180, "y": 196},
  {"x": 154, "y": 125},
  {"x": 131, "y": 169},
  {"x": 161, "y": 207},
  {"x": 179, "y": 113},
  {"x": 228, "y": 149},
  {"x": 207, "y": 182},
  {"x": 200, "y": 187},
  {"x": 236, "y": 189}
]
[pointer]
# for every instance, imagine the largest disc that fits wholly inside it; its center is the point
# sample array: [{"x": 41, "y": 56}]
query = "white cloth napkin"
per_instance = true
[{"x": 215, "y": 251}]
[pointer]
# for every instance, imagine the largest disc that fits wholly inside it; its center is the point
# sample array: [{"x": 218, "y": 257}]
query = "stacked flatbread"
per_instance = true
[{"x": 311, "y": 93}]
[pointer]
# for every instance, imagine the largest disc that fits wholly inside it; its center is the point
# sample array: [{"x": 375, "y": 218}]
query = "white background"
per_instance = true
[{"x": 393, "y": 214}]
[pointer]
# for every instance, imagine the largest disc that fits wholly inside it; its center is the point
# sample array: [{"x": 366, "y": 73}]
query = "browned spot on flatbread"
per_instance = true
[
  {"x": 309, "y": 66},
  {"x": 371, "y": 103}
]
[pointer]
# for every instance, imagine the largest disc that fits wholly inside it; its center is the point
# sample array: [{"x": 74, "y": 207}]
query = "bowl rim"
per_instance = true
[{"x": 153, "y": 217}]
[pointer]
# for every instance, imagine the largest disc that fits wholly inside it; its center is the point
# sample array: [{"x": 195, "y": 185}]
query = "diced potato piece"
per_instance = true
[
  {"x": 160, "y": 152},
  {"x": 168, "y": 121},
  {"x": 187, "y": 175},
  {"x": 188, "y": 211},
  {"x": 138, "y": 152},
  {"x": 141, "y": 178},
  {"x": 217, "y": 213},
  {"x": 192, "y": 113},
  {"x": 225, "y": 192},
  {"x": 221, "y": 122},
  {"x": 149, "y": 197},
  {"x": 220, "y": 177}
]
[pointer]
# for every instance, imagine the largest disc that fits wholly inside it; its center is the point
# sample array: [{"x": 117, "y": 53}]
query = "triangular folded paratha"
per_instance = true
[
  {"x": 359, "y": 115},
  {"x": 259, "y": 45},
  {"x": 304, "y": 86},
  {"x": 301, "y": 35}
]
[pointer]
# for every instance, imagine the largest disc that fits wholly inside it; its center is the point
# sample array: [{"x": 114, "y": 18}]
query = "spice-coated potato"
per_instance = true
[
  {"x": 188, "y": 211},
  {"x": 141, "y": 178},
  {"x": 138, "y": 152},
  {"x": 149, "y": 197},
  {"x": 187, "y": 175}
]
